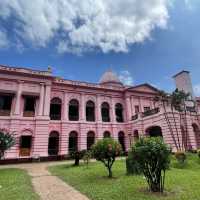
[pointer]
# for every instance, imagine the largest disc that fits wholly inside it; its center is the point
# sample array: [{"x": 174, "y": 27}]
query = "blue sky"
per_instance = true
[{"x": 164, "y": 51}]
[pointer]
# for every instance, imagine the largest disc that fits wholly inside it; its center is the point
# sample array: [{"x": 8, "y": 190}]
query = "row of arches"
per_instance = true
[
  {"x": 73, "y": 110},
  {"x": 26, "y": 142}
]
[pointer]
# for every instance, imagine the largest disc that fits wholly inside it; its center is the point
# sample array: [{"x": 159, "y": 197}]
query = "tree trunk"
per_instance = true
[{"x": 109, "y": 172}]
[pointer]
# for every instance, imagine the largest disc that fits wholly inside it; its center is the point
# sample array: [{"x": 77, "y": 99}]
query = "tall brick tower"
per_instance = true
[{"x": 183, "y": 82}]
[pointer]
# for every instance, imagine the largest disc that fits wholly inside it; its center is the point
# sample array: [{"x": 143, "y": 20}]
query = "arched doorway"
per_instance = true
[
  {"x": 55, "y": 109},
  {"x": 90, "y": 111},
  {"x": 106, "y": 134},
  {"x": 119, "y": 112},
  {"x": 196, "y": 131},
  {"x": 105, "y": 112},
  {"x": 121, "y": 139},
  {"x": 154, "y": 131},
  {"x": 90, "y": 139},
  {"x": 53, "y": 145},
  {"x": 73, "y": 141},
  {"x": 73, "y": 110}
]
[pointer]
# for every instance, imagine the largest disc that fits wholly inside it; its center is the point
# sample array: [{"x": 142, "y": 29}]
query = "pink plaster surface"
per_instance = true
[{"x": 45, "y": 86}]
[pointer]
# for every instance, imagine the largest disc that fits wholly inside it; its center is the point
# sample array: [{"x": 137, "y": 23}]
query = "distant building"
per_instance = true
[{"x": 51, "y": 116}]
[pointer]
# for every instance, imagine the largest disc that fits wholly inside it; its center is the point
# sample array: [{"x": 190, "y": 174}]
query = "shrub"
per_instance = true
[
  {"x": 7, "y": 140},
  {"x": 153, "y": 155},
  {"x": 198, "y": 153},
  {"x": 180, "y": 157},
  {"x": 87, "y": 156},
  {"x": 132, "y": 166},
  {"x": 106, "y": 150},
  {"x": 77, "y": 155}
]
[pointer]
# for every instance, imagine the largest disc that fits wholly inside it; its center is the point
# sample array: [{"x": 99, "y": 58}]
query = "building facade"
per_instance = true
[{"x": 50, "y": 116}]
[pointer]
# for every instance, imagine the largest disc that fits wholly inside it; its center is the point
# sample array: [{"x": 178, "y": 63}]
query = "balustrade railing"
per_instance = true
[
  {"x": 4, "y": 112},
  {"x": 150, "y": 112}
]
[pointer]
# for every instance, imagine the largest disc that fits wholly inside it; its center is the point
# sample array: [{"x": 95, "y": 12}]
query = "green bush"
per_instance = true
[
  {"x": 198, "y": 153},
  {"x": 153, "y": 156},
  {"x": 86, "y": 157},
  {"x": 106, "y": 151},
  {"x": 132, "y": 166},
  {"x": 180, "y": 157},
  {"x": 7, "y": 140}
]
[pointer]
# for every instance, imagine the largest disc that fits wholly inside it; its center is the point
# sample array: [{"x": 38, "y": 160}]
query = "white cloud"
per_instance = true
[
  {"x": 197, "y": 89},
  {"x": 78, "y": 26},
  {"x": 126, "y": 78},
  {"x": 4, "y": 43}
]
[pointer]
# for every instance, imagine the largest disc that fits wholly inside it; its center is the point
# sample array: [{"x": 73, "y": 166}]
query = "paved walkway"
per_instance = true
[{"x": 48, "y": 187}]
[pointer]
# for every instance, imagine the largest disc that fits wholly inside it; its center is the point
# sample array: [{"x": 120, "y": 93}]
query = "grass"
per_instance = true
[
  {"x": 182, "y": 182},
  {"x": 15, "y": 184}
]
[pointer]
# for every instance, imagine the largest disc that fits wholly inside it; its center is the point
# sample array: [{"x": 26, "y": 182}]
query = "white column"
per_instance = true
[
  {"x": 41, "y": 102},
  {"x": 18, "y": 98},
  {"x": 65, "y": 107},
  {"x": 47, "y": 100}
]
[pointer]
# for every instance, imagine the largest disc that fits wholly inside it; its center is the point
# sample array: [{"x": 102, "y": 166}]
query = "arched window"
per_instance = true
[
  {"x": 73, "y": 141},
  {"x": 53, "y": 145},
  {"x": 106, "y": 134},
  {"x": 90, "y": 139},
  {"x": 55, "y": 109},
  {"x": 105, "y": 113},
  {"x": 121, "y": 140},
  {"x": 154, "y": 131},
  {"x": 90, "y": 111},
  {"x": 73, "y": 110},
  {"x": 119, "y": 112}
]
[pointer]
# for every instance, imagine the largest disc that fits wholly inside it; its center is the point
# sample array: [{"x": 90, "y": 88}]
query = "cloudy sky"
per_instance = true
[{"x": 142, "y": 41}]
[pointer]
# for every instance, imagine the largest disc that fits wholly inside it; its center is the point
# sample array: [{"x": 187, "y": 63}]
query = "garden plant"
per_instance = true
[
  {"x": 106, "y": 151},
  {"x": 153, "y": 155},
  {"x": 7, "y": 140}
]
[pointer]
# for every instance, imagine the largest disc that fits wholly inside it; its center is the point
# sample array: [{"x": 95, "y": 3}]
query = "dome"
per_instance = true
[{"x": 110, "y": 77}]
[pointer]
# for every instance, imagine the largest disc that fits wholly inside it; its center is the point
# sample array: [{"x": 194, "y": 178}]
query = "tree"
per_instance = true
[
  {"x": 7, "y": 140},
  {"x": 164, "y": 98},
  {"x": 178, "y": 103},
  {"x": 153, "y": 156},
  {"x": 77, "y": 155},
  {"x": 106, "y": 151}
]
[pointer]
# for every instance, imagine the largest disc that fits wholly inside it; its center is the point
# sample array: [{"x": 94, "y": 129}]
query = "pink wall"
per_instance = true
[{"x": 46, "y": 87}]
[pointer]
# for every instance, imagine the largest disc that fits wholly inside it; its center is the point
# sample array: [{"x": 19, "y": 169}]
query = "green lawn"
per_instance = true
[
  {"x": 181, "y": 184},
  {"x": 15, "y": 184}
]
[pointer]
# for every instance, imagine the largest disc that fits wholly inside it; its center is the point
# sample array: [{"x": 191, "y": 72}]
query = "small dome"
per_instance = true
[{"x": 110, "y": 77}]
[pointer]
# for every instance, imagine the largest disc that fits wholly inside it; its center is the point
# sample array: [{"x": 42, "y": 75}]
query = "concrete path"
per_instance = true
[{"x": 48, "y": 187}]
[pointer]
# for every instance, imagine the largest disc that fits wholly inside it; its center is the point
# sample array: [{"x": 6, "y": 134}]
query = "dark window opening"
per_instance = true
[
  {"x": 55, "y": 109},
  {"x": 90, "y": 111},
  {"x": 29, "y": 106},
  {"x": 90, "y": 139},
  {"x": 154, "y": 131},
  {"x": 73, "y": 142},
  {"x": 25, "y": 145},
  {"x": 122, "y": 140},
  {"x": 5, "y": 105},
  {"x": 73, "y": 110},
  {"x": 147, "y": 108},
  {"x": 135, "y": 135},
  {"x": 53, "y": 145},
  {"x": 137, "y": 109},
  {"x": 106, "y": 134},
  {"x": 105, "y": 112},
  {"x": 119, "y": 112}
]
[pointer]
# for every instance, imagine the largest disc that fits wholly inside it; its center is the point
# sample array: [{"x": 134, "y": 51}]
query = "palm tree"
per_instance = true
[
  {"x": 178, "y": 102},
  {"x": 164, "y": 98}
]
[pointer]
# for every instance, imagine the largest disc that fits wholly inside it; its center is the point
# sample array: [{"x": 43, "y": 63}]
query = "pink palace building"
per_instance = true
[{"x": 51, "y": 116}]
